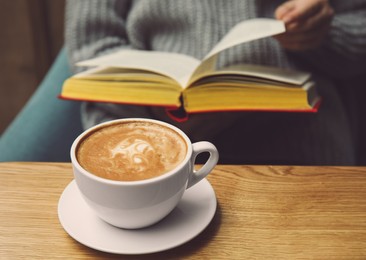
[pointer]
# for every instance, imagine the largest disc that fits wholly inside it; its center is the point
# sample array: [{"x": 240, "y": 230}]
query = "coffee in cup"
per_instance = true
[
  {"x": 133, "y": 172},
  {"x": 131, "y": 151}
]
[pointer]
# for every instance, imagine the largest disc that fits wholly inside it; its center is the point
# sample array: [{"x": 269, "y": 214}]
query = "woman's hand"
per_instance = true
[{"x": 307, "y": 23}]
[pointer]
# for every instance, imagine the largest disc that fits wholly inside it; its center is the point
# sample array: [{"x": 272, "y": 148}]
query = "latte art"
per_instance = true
[
  {"x": 136, "y": 151},
  {"x": 131, "y": 151}
]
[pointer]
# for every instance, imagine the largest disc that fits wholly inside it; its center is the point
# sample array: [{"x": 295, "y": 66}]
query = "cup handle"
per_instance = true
[{"x": 201, "y": 147}]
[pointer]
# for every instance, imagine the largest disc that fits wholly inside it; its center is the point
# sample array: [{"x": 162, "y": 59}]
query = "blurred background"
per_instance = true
[{"x": 30, "y": 38}]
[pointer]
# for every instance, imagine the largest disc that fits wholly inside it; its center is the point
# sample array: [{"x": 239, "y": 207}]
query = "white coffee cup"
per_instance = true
[{"x": 138, "y": 204}]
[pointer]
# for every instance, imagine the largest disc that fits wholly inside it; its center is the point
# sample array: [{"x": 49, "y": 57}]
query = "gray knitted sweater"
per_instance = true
[{"x": 95, "y": 27}]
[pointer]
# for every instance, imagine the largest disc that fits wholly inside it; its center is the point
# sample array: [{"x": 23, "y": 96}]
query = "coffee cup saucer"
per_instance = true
[{"x": 191, "y": 216}]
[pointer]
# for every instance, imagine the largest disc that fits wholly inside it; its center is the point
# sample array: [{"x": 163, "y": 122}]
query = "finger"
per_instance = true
[
  {"x": 293, "y": 26},
  {"x": 301, "y": 10},
  {"x": 305, "y": 9},
  {"x": 324, "y": 17},
  {"x": 317, "y": 20},
  {"x": 318, "y": 32},
  {"x": 301, "y": 42},
  {"x": 284, "y": 10}
]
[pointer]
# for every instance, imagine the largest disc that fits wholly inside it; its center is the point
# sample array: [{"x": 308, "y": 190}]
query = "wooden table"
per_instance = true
[{"x": 264, "y": 212}]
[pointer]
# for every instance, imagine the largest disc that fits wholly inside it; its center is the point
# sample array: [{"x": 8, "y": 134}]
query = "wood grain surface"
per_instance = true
[{"x": 264, "y": 212}]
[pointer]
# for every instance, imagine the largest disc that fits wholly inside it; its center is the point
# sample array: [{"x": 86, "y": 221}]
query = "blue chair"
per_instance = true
[{"x": 46, "y": 127}]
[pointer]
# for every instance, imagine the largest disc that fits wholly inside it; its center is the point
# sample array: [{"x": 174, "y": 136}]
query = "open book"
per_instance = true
[{"x": 180, "y": 81}]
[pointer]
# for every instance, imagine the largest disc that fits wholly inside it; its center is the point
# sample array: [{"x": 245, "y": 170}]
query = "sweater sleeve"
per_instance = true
[
  {"x": 343, "y": 54},
  {"x": 95, "y": 27}
]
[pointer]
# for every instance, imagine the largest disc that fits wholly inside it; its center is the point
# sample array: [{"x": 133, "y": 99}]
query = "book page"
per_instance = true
[
  {"x": 122, "y": 74},
  {"x": 245, "y": 31},
  {"x": 176, "y": 66},
  {"x": 248, "y": 30},
  {"x": 258, "y": 73}
]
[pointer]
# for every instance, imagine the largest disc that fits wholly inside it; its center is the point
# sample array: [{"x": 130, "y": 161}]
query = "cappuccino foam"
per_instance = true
[{"x": 131, "y": 151}]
